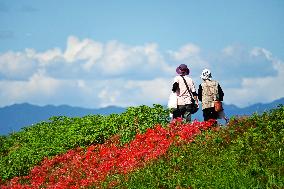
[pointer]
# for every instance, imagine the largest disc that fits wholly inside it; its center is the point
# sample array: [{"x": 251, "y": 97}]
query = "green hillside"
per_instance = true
[
  {"x": 247, "y": 153},
  {"x": 20, "y": 151}
]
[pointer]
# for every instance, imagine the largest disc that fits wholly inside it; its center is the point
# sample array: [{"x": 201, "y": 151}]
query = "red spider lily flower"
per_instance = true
[{"x": 78, "y": 168}]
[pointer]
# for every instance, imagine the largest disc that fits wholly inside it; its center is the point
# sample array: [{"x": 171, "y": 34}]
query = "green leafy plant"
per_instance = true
[
  {"x": 22, "y": 150},
  {"x": 247, "y": 153}
]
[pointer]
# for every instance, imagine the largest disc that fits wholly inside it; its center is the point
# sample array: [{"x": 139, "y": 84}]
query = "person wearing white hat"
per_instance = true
[{"x": 210, "y": 91}]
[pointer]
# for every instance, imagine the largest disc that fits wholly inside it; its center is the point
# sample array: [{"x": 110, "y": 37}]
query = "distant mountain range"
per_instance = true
[
  {"x": 14, "y": 117},
  {"x": 232, "y": 110}
]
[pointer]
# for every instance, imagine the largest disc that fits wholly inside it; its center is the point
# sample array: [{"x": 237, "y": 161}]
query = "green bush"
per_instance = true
[{"x": 22, "y": 150}]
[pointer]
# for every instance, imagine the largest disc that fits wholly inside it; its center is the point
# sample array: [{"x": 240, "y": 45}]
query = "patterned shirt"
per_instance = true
[{"x": 208, "y": 92}]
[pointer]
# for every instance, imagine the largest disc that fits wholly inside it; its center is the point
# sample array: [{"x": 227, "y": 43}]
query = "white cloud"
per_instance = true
[
  {"x": 190, "y": 55},
  {"x": 86, "y": 73},
  {"x": 261, "y": 88},
  {"x": 116, "y": 59},
  {"x": 133, "y": 92},
  {"x": 157, "y": 89},
  {"x": 187, "y": 51},
  {"x": 128, "y": 61},
  {"x": 37, "y": 86},
  {"x": 44, "y": 58},
  {"x": 86, "y": 50},
  {"x": 261, "y": 52},
  {"x": 87, "y": 58},
  {"x": 16, "y": 65},
  {"x": 94, "y": 74}
]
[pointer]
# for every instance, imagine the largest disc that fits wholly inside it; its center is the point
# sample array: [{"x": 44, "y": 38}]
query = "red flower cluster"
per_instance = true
[{"x": 79, "y": 168}]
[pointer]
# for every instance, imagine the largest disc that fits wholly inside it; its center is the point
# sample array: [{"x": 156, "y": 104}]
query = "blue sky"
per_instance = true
[{"x": 122, "y": 52}]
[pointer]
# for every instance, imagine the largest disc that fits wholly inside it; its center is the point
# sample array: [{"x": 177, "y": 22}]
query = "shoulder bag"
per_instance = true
[
  {"x": 218, "y": 106},
  {"x": 194, "y": 106}
]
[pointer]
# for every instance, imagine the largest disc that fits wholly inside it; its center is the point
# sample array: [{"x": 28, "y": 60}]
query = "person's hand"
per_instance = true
[
  {"x": 197, "y": 104},
  {"x": 196, "y": 101}
]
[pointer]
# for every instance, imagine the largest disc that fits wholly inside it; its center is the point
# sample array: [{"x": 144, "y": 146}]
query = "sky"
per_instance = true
[{"x": 94, "y": 54}]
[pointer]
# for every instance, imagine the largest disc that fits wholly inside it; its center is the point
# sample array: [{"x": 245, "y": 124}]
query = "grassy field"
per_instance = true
[{"x": 140, "y": 149}]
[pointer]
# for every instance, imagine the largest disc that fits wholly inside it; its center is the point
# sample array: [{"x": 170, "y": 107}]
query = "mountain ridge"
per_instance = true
[{"x": 16, "y": 116}]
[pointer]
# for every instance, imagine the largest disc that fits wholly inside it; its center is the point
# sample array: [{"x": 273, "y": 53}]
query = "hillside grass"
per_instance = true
[
  {"x": 21, "y": 151},
  {"x": 248, "y": 153}
]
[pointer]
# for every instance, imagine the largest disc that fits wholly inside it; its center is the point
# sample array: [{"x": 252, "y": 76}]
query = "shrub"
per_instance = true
[{"x": 22, "y": 150}]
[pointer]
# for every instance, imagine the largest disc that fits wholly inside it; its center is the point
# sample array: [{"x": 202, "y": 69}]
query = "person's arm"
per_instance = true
[
  {"x": 195, "y": 97},
  {"x": 220, "y": 93},
  {"x": 200, "y": 93},
  {"x": 175, "y": 87}
]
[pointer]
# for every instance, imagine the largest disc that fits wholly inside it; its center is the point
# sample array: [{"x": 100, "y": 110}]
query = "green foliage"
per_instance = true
[
  {"x": 248, "y": 153},
  {"x": 20, "y": 151}
]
